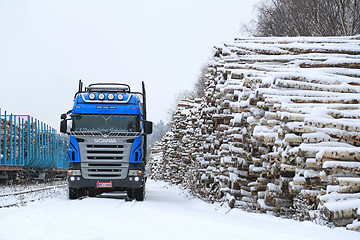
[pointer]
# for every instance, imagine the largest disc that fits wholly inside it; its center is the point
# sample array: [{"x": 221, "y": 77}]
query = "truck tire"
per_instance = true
[
  {"x": 92, "y": 192},
  {"x": 139, "y": 193},
  {"x": 130, "y": 194},
  {"x": 73, "y": 193}
]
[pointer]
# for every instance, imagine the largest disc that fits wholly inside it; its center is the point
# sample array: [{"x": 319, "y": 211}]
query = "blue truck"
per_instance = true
[{"x": 108, "y": 140}]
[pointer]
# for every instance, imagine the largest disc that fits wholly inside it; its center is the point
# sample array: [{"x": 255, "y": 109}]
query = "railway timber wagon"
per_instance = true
[{"x": 30, "y": 149}]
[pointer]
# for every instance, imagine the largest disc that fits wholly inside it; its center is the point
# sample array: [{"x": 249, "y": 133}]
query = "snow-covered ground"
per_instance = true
[
  {"x": 167, "y": 213},
  {"x": 29, "y": 192}
]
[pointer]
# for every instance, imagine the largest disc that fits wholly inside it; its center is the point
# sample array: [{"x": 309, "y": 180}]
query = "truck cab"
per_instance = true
[{"x": 108, "y": 144}]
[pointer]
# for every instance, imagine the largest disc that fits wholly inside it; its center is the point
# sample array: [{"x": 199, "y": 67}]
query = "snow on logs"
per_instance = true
[{"x": 277, "y": 131}]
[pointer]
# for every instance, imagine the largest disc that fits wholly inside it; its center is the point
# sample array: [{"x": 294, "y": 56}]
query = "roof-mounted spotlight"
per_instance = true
[
  {"x": 120, "y": 96},
  {"x": 92, "y": 96},
  {"x": 101, "y": 96},
  {"x": 110, "y": 96}
]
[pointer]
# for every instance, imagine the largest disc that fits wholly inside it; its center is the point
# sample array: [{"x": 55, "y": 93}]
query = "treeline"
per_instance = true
[
  {"x": 159, "y": 129},
  {"x": 306, "y": 18}
]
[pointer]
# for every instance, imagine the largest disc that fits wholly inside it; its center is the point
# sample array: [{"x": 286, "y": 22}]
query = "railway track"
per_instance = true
[{"x": 22, "y": 197}]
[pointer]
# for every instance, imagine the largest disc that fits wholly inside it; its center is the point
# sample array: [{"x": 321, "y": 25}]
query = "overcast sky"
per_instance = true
[{"x": 47, "y": 46}]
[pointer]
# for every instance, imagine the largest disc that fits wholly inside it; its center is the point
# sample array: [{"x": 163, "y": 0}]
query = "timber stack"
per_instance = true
[{"x": 278, "y": 130}]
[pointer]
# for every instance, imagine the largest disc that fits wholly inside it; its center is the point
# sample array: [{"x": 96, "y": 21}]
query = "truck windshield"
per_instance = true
[{"x": 106, "y": 123}]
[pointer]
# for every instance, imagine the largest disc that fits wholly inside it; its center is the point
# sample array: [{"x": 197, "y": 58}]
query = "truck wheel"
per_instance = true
[
  {"x": 92, "y": 192},
  {"x": 81, "y": 192},
  {"x": 130, "y": 193},
  {"x": 73, "y": 193},
  {"x": 139, "y": 193}
]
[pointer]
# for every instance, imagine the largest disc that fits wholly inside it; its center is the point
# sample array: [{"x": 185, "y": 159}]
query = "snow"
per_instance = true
[
  {"x": 311, "y": 174},
  {"x": 343, "y": 205},
  {"x": 185, "y": 112},
  {"x": 256, "y": 169},
  {"x": 29, "y": 193},
  {"x": 356, "y": 224},
  {"x": 298, "y": 39},
  {"x": 302, "y": 93},
  {"x": 332, "y": 188},
  {"x": 167, "y": 213},
  {"x": 237, "y": 118},
  {"x": 338, "y": 146},
  {"x": 318, "y": 43},
  {"x": 273, "y": 187},
  {"x": 335, "y": 196},
  {"x": 348, "y": 179},
  {"x": 318, "y": 136},
  {"x": 332, "y": 164}
]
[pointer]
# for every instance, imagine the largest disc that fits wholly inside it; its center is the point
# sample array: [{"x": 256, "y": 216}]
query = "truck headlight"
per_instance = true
[
  {"x": 135, "y": 172},
  {"x": 74, "y": 173}
]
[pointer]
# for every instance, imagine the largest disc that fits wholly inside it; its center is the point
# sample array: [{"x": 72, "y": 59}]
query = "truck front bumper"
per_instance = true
[{"x": 129, "y": 182}]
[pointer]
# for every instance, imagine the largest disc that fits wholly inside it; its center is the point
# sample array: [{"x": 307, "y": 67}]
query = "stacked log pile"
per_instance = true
[{"x": 280, "y": 122}]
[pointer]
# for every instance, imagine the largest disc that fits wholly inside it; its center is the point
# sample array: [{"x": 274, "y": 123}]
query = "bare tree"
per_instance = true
[
  {"x": 349, "y": 12},
  {"x": 200, "y": 84},
  {"x": 307, "y": 18},
  {"x": 197, "y": 92},
  {"x": 185, "y": 94}
]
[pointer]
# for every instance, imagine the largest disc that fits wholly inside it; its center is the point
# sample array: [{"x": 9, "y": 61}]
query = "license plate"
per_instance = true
[{"x": 104, "y": 184}]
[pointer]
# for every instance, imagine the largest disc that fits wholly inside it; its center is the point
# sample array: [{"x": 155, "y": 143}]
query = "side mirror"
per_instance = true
[
  {"x": 63, "y": 126},
  {"x": 63, "y": 116},
  {"x": 148, "y": 127}
]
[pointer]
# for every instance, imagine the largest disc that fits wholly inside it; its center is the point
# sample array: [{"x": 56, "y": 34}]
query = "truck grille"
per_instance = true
[{"x": 105, "y": 161}]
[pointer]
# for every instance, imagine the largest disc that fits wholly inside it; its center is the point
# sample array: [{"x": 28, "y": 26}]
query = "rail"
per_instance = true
[{"x": 16, "y": 198}]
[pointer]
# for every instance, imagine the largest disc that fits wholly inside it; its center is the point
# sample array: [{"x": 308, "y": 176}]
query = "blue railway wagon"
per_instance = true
[{"x": 30, "y": 149}]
